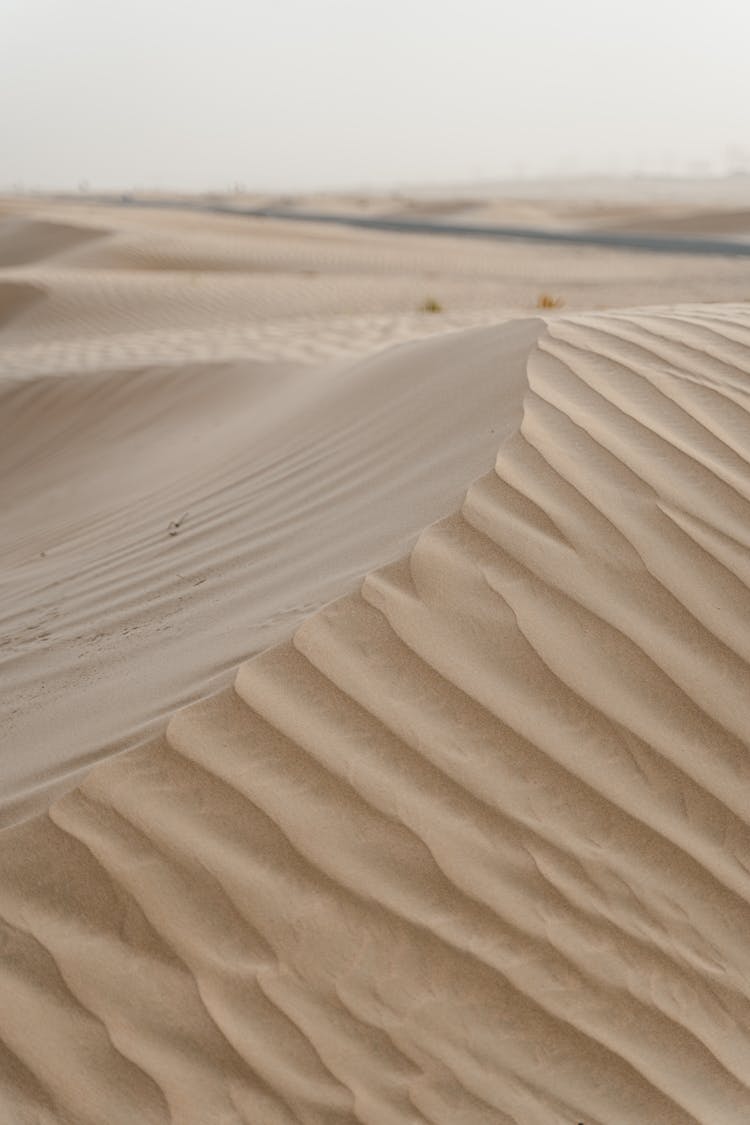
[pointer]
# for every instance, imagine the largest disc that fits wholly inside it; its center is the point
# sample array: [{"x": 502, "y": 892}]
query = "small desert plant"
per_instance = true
[
  {"x": 547, "y": 301},
  {"x": 430, "y": 305}
]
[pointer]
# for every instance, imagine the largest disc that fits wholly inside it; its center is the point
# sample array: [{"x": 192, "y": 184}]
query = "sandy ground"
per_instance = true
[{"x": 464, "y": 841}]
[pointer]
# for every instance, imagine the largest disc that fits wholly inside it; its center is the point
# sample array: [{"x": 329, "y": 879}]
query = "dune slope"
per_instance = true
[
  {"x": 473, "y": 847},
  {"x": 145, "y": 508},
  {"x": 24, "y": 240}
]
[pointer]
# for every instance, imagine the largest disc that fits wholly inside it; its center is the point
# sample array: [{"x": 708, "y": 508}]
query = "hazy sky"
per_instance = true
[{"x": 300, "y": 94}]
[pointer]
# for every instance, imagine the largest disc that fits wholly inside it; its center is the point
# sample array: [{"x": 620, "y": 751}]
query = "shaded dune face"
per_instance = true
[
  {"x": 472, "y": 846},
  {"x": 145, "y": 508},
  {"x": 16, "y": 297},
  {"x": 23, "y": 241}
]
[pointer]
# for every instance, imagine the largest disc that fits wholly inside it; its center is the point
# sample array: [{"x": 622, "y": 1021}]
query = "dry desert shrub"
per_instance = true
[
  {"x": 547, "y": 301},
  {"x": 430, "y": 305}
]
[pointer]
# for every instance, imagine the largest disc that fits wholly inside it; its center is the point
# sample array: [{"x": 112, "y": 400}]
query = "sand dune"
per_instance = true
[
  {"x": 473, "y": 846},
  {"x": 138, "y": 288},
  {"x": 227, "y": 501},
  {"x": 712, "y": 207},
  {"x": 688, "y": 221},
  {"x": 15, "y": 297},
  {"x": 163, "y": 368},
  {"x": 24, "y": 240}
]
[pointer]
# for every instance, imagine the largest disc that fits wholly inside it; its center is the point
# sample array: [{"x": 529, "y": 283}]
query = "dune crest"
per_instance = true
[
  {"x": 145, "y": 508},
  {"x": 474, "y": 845}
]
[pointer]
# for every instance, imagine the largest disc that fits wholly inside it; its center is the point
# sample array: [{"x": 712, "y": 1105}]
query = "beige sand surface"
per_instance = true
[
  {"x": 285, "y": 488},
  {"x": 161, "y": 364},
  {"x": 472, "y": 845}
]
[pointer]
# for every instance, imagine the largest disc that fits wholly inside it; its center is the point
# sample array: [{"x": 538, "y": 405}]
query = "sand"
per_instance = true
[{"x": 468, "y": 843}]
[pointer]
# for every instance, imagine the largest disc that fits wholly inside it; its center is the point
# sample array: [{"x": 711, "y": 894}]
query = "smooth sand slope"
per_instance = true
[
  {"x": 160, "y": 525},
  {"x": 471, "y": 848}
]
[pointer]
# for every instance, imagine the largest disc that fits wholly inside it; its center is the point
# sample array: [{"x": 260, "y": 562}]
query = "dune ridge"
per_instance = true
[
  {"x": 146, "y": 507},
  {"x": 473, "y": 846}
]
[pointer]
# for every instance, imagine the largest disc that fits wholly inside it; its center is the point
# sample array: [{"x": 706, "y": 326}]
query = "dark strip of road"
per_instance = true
[
  {"x": 656, "y": 243},
  {"x": 651, "y": 243}
]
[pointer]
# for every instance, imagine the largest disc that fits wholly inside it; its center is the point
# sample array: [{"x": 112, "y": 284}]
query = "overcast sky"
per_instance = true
[{"x": 300, "y": 94}]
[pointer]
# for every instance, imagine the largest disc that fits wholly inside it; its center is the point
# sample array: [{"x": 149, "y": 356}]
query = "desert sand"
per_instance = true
[{"x": 454, "y": 827}]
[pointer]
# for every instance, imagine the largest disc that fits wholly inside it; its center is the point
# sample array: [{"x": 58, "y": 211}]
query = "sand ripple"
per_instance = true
[{"x": 473, "y": 847}]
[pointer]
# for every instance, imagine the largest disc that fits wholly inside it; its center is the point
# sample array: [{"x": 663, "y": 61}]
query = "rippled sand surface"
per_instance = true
[{"x": 468, "y": 843}]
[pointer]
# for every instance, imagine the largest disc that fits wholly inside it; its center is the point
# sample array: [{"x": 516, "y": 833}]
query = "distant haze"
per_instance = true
[{"x": 306, "y": 94}]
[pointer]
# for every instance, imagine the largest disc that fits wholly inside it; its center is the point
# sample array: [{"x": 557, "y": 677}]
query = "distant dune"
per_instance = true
[
  {"x": 469, "y": 844},
  {"x": 25, "y": 240},
  {"x": 15, "y": 297}
]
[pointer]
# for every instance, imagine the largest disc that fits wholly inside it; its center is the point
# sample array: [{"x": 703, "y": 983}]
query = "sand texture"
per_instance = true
[
  {"x": 470, "y": 848},
  {"x": 212, "y": 425}
]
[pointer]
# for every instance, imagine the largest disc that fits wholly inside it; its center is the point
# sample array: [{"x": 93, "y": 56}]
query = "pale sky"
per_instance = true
[{"x": 304, "y": 94}]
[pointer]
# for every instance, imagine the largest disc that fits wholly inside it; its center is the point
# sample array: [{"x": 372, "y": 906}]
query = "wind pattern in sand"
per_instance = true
[{"x": 473, "y": 847}]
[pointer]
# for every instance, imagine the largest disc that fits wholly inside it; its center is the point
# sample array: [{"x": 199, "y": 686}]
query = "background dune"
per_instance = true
[
  {"x": 468, "y": 844},
  {"x": 16, "y": 296},
  {"x": 24, "y": 240}
]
